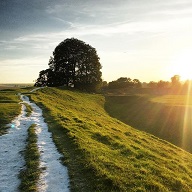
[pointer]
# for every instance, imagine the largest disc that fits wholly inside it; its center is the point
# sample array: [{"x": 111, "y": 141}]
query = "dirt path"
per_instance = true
[
  {"x": 55, "y": 175},
  {"x": 11, "y": 147}
]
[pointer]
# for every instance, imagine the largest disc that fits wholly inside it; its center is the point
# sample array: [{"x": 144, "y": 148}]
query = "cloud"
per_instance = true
[
  {"x": 45, "y": 42},
  {"x": 25, "y": 61}
]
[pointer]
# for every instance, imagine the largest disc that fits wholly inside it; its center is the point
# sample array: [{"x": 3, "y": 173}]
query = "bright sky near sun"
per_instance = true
[{"x": 143, "y": 39}]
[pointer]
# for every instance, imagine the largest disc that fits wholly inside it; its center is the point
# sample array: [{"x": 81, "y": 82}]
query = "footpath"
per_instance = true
[{"x": 54, "y": 176}]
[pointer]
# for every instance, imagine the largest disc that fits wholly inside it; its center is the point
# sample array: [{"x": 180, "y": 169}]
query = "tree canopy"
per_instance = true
[
  {"x": 75, "y": 64},
  {"x": 124, "y": 82}
]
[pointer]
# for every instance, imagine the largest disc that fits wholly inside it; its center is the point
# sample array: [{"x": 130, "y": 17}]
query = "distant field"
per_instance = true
[
  {"x": 166, "y": 116},
  {"x": 176, "y": 100},
  {"x": 9, "y": 104},
  {"x": 9, "y": 108},
  {"x": 14, "y": 86},
  {"x": 104, "y": 154}
]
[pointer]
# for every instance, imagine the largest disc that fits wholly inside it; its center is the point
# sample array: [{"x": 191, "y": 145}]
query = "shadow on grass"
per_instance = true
[{"x": 163, "y": 121}]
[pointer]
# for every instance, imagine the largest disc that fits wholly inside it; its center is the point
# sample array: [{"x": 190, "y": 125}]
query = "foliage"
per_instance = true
[
  {"x": 175, "y": 80},
  {"x": 75, "y": 64},
  {"x": 152, "y": 84},
  {"x": 161, "y": 87},
  {"x": 173, "y": 87},
  {"x": 163, "y": 84},
  {"x": 124, "y": 82},
  {"x": 30, "y": 175},
  {"x": 104, "y": 154}
]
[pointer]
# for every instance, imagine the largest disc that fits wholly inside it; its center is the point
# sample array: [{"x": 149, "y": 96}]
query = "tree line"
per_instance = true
[
  {"x": 123, "y": 82},
  {"x": 175, "y": 85}
]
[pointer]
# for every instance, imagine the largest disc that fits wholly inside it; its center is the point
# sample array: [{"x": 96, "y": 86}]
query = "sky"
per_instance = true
[{"x": 149, "y": 40}]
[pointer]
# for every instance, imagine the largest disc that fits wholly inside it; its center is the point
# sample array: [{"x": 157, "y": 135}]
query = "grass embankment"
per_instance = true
[
  {"x": 30, "y": 176},
  {"x": 104, "y": 154},
  {"x": 9, "y": 108},
  {"x": 166, "y": 116}
]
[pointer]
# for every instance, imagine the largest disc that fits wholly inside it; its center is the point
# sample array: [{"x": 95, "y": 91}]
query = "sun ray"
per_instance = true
[
  {"x": 187, "y": 120},
  {"x": 181, "y": 64}
]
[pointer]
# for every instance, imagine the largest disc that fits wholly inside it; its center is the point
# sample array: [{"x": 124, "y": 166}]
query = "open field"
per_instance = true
[
  {"x": 15, "y": 86},
  {"x": 104, "y": 154},
  {"x": 166, "y": 116},
  {"x": 9, "y": 108},
  {"x": 173, "y": 100},
  {"x": 9, "y": 105}
]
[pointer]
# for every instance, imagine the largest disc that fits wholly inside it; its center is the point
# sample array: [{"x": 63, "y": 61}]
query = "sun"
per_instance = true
[{"x": 182, "y": 64}]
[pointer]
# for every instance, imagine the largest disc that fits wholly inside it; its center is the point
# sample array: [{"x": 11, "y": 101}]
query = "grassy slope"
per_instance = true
[
  {"x": 103, "y": 154},
  {"x": 9, "y": 108},
  {"x": 168, "y": 116}
]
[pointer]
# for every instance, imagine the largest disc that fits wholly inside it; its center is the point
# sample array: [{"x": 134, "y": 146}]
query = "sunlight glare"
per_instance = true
[
  {"x": 187, "y": 124},
  {"x": 181, "y": 64}
]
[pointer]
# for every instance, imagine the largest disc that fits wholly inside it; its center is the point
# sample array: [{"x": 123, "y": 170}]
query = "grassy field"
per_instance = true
[
  {"x": 173, "y": 100},
  {"x": 15, "y": 86},
  {"x": 9, "y": 108},
  {"x": 166, "y": 116},
  {"x": 104, "y": 154},
  {"x": 9, "y": 105}
]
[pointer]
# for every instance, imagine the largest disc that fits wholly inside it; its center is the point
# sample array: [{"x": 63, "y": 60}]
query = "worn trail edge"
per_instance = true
[{"x": 54, "y": 176}]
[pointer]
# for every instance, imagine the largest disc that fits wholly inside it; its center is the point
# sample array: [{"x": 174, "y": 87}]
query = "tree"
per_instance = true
[
  {"x": 42, "y": 79},
  {"x": 176, "y": 84},
  {"x": 137, "y": 83},
  {"x": 163, "y": 84},
  {"x": 124, "y": 82},
  {"x": 175, "y": 80},
  {"x": 104, "y": 84},
  {"x": 78, "y": 64},
  {"x": 152, "y": 84},
  {"x": 75, "y": 64}
]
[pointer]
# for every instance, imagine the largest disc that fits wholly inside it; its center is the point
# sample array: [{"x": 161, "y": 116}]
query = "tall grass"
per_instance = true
[{"x": 104, "y": 154}]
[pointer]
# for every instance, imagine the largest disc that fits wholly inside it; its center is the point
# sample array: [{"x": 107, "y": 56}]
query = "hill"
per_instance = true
[
  {"x": 104, "y": 154},
  {"x": 165, "y": 116}
]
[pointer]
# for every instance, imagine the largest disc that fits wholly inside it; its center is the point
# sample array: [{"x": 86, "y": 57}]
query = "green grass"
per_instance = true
[
  {"x": 104, "y": 154},
  {"x": 15, "y": 86},
  {"x": 166, "y": 116},
  {"x": 176, "y": 100},
  {"x": 30, "y": 176},
  {"x": 28, "y": 109},
  {"x": 9, "y": 108}
]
